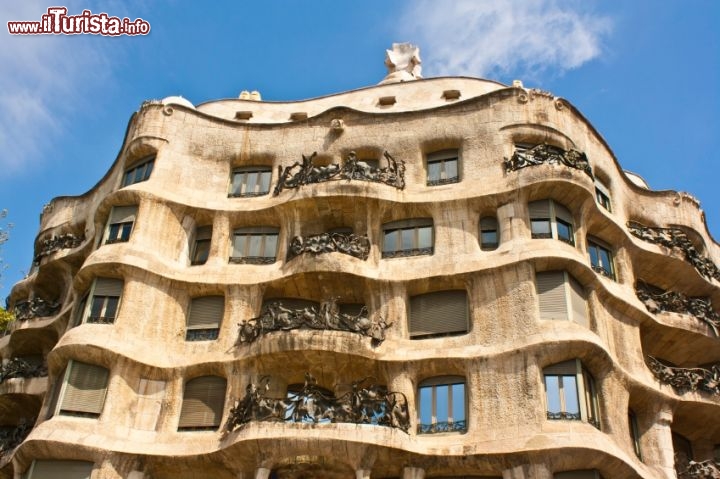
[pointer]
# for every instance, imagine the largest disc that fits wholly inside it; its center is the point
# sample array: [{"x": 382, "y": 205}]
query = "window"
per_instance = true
[
  {"x": 683, "y": 452},
  {"x": 550, "y": 219},
  {"x": 203, "y": 404},
  {"x": 140, "y": 172},
  {"x": 204, "y": 318},
  {"x": 83, "y": 391},
  {"x": 601, "y": 258},
  {"x": 120, "y": 224},
  {"x": 439, "y": 313},
  {"x": 49, "y": 469},
  {"x": 250, "y": 181},
  {"x": 570, "y": 392},
  {"x": 408, "y": 238},
  {"x": 489, "y": 236},
  {"x": 441, "y": 405},
  {"x": 201, "y": 247},
  {"x": 560, "y": 296},
  {"x": 584, "y": 474},
  {"x": 634, "y": 432},
  {"x": 256, "y": 245},
  {"x": 442, "y": 167},
  {"x": 602, "y": 195},
  {"x": 104, "y": 301}
]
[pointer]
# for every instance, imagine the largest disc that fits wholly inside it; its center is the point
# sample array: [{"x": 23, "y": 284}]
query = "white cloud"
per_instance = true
[{"x": 500, "y": 37}]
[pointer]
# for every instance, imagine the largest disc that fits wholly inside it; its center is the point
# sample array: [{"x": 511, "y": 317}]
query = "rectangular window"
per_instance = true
[
  {"x": 104, "y": 301},
  {"x": 441, "y": 405},
  {"x": 140, "y": 172},
  {"x": 570, "y": 392},
  {"x": 489, "y": 237},
  {"x": 602, "y": 195},
  {"x": 250, "y": 181},
  {"x": 120, "y": 224},
  {"x": 201, "y": 246},
  {"x": 49, "y": 469},
  {"x": 438, "y": 313},
  {"x": 257, "y": 245},
  {"x": 203, "y": 404},
  {"x": 561, "y": 297},
  {"x": 407, "y": 238},
  {"x": 84, "y": 389},
  {"x": 442, "y": 167},
  {"x": 550, "y": 219},
  {"x": 601, "y": 259},
  {"x": 634, "y": 432},
  {"x": 204, "y": 318}
]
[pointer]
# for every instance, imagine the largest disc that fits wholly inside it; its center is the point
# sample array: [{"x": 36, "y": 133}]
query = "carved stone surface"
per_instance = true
[
  {"x": 56, "y": 243},
  {"x": 276, "y": 317},
  {"x": 35, "y": 308},
  {"x": 700, "y": 470},
  {"x": 348, "y": 243},
  {"x": 403, "y": 63},
  {"x": 657, "y": 301},
  {"x": 676, "y": 239},
  {"x": 549, "y": 154},
  {"x": 364, "y": 404},
  {"x": 10, "y": 438},
  {"x": 20, "y": 368},
  {"x": 687, "y": 379},
  {"x": 306, "y": 173}
]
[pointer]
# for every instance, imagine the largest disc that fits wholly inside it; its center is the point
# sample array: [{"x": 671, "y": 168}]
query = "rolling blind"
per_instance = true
[
  {"x": 587, "y": 474},
  {"x": 539, "y": 209},
  {"x": 60, "y": 470},
  {"x": 108, "y": 287},
  {"x": 203, "y": 403},
  {"x": 206, "y": 312},
  {"x": 85, "y": 389},
  {"x": 551, "y": 294},
  {"x": 123, "y": 214},
  {"x": 488, "y": 223},
  {"x": 441, "y": 312},
  {"x": 563, "y": 213},
  {"x": 203, "y": 233},
  {"x": 578, "y": 302}
]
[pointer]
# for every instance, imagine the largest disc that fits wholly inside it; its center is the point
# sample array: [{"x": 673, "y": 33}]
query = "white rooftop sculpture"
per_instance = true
[{"x": 403, "y": 63}]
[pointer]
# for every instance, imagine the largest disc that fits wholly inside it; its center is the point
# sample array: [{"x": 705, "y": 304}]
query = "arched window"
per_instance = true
[
  {"x": 442, "y": 405},
  {"x": 489, "y": 233}
]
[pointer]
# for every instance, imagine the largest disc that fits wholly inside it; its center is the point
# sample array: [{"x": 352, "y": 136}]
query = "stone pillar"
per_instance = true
[
  {"x": 262, "y": 473},
  {"x": 528, "y": 471},
  {"x": 413, "y": 473},
  {"x": 656, "y": 444},
  {"x": 511, "y": 222},
  {"x": 362, "y": 474}
]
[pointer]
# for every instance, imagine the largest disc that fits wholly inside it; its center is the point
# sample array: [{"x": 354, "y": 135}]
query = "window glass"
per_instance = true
[
  {"x": 442, "y": 405},
  {"x": 442, "y": 167},
  {"x": 138, "y": 173},
  {"x": 255, "y": 245},
  {"x": 252, "y": 181},
  {"x": 540, "y": 228},
  {"x": 407, "y": 238},
  {"x": 565, "y": 232},
  {"x": 202, "y": 251}
]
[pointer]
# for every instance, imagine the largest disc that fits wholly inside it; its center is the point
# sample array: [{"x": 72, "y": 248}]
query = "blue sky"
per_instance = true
[{"x": 645, "y": 73}]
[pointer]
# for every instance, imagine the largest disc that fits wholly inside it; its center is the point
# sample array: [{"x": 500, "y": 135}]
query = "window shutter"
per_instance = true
[
  {"x": 203, "y": 233},
  {"x": 539, "y": 209},
  {"x": 488, "y": 223},
  {"x": 587, "y": 474},
  {"x": 85, "y": 389},
  {"x": 566, "y": 368},
  {"x": 551, "y": 295},
  {"x": 443, "y": 155},
  {"x": 60, "y": 469},
  {"x": 108, "y": 287},
  {"x": 578, "y": 302},
  {"x": 563, "y": 213},
  {"x": 203, "y": 403},
  {"x": 123, "y": 214},
  {"x": 439, "y": 313},
  {"x": 206, "y": 312}
]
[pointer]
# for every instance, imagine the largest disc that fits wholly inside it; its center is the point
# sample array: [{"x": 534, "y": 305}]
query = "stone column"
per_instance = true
[
  {"x": 413, "y": 473},
  {"x": 511, "y": 222},
  {"x": 656, "y": 444},
  {"x": 262, "y": 473},
  {"x": 362, "y": 474},
  {"x": 528, "y": 471}
]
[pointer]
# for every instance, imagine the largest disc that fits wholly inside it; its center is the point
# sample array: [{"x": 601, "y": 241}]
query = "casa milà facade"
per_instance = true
[{"x": 428, "y": 278}]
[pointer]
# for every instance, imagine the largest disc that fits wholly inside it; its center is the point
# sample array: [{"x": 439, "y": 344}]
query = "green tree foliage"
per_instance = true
[
  {"x": 4, "y": 236},
  {"x": 6, "y": 317}
]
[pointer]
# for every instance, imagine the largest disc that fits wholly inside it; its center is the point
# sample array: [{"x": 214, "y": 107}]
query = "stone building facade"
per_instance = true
[{"x": 428, "y": 278}]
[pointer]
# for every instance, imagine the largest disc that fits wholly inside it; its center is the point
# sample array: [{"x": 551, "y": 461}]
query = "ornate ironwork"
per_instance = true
[
  {"x": 50, "y": 245},
  {"x": 348, "y": 243},
  {"x": 20, "y": 368},
  {"x": 209, "y": 334},
  {"x": 363, "y": 404},
  {"x": 676, "y": 239},
  {"x": 404, "y": 253},
  {"x": 656, "y": 301},
  {"x": 687, "y": 379},
  {"x": 259, "y": 260},
  {"x": 544, "y": 153},
  {"x": 276, "y": 317},
  {"x": 35, "y": 308},
  {"x": 100, "y": 319},
  {"x": 445, "y": 426},
  {"x": 564, "y": 415},
  {"x": 699, "y": 470},
  {"x": 11, "y": 437},
  {"x": 305, "y": 173}
]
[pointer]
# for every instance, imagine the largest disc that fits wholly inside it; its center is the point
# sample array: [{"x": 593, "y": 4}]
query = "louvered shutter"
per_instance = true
[
  {"x": 578, "y": 302},
  {"x": 566, "y": 368},
  {"x": 551, "y": 295},
  {"x": 563, "y": 213},
  {"x": 488, "y": 223},
  {"x": 85, "y": 389},
  {"x": 441, "y": 312},
  {"x": 108, "y": 287},
  {"x": 123, "y": 214},
  {"x": 539, "y": 209},
  {"x": 203, "y": 403},
  {"x": 206, "y": 312},
  {"x": 203, "y": 233},
  {"x": 60, "y": 470}
]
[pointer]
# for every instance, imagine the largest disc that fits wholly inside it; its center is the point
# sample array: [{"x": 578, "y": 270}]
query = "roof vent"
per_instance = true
[{"x": 403, "y": 63}]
